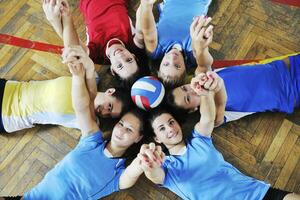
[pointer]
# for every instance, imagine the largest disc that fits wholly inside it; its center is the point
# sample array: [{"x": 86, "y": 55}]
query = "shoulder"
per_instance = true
[
  {"x": 90, "y": 142},
  {"x": 198, "y": 138}
]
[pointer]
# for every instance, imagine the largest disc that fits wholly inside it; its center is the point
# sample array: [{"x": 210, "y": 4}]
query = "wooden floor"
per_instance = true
[{"x": 265, "y": 146}]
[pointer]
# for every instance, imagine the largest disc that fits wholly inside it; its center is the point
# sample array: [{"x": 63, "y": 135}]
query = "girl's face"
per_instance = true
[
  {"x": 123, "y": 63},
  {"x": 127, "y": 131},
  {"x": 172, "y": 65},
  {"x": 167, "y": 130},
  {"x": 186, "y": 98}
]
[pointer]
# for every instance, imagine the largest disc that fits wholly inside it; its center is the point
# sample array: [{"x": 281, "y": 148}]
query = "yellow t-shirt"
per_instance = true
[{"x": 38, "y": 102}]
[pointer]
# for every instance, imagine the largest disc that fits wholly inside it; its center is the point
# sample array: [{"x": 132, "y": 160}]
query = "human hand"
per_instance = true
[
  {"x": 65, "y": 9},
  {"x": 201, "y": 34},
  {"x": 198, "y": 82},
  {"x": 76, "y": 70},
  {"x": 151, "y": 157},
  {"x": 214, "y": 82},
  {"x": 77, "y": 55},
  {"x": 52, "y": 10}
]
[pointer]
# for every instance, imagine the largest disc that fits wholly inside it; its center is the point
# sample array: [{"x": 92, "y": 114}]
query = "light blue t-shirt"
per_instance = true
[
  {"x": 260, "y": 88},
  {"x": 201, "y": 173},
  {"x": 173, "y": 26},
  {"x": 85, "y": 173}
]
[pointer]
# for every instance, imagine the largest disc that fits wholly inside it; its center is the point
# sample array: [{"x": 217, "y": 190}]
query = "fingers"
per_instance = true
[
  {"x": 151, "y": 153},
  {"x": 208, "y": 32},
  {"x": 52, "y": 2},
  {"x": 193, "y": 26},
  {"x": 208, "y": 83},
  {"x": 76, "y": 69},
  {"x": 207, "y": 20},
  {"x": 73, "y": 52}
]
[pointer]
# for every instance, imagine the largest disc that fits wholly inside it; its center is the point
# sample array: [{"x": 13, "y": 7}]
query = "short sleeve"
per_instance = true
[
  {"x": 196, "y": 136},
  {"x": 90, "y": 142}
]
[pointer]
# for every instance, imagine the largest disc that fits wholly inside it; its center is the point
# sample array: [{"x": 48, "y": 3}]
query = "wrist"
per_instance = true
[
  {"x": 78, "y": 79},
  {"x": 146, "y": 4}
]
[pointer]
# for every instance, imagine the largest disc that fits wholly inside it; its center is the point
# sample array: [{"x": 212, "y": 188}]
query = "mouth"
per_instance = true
[
  {"x": 117, "y": 51},
  {"x": 98, "y": 109},
  {"x": 118, "y": 137},
  {"x": 172, "y": 135},
  {"x": 175, "y": 54}
]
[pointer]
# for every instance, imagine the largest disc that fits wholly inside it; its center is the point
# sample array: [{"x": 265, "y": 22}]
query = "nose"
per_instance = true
[
  {"x": 105, "y": 110},
  {"x": 170, "y": 129}
]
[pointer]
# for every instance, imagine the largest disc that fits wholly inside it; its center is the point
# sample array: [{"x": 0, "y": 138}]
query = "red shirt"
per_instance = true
[{"x": 105, "y": 19}]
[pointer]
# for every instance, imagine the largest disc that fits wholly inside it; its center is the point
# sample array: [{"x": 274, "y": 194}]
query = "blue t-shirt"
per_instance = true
[
  {"x": 202, "y": 173},
  {"x": 85, "y": 173},
  {"x": 173, "y": 26},
  {"x": 260, "y": 88}
]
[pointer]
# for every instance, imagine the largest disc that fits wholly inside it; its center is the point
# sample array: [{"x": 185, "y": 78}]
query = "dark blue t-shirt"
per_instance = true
[
  {"x": 259, "y": 88},
  {"x": 173, "y": 27}
]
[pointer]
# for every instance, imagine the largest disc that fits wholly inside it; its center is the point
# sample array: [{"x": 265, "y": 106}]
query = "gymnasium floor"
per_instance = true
[{"x": 265, "y": 146}]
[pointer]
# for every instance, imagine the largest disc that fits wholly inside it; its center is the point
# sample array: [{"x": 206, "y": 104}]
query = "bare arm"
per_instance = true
[
  {"x": 77, "y": 55},
  {"x": 220, "y": 101},
  {"x": 148, "y": 25},
  {"x": 208, "y": 113},
  {"x": 71, "y": 38},
  {"x": 201, "y": 39},
  {"x": 53, "y": 15},
  {"x": 216, "y": 84},
  {"x": 130, "y": 175},
  {"x": 156, "y": 175},
  {"x": 207, "y": 106},
  {"x": 151, "y": 158},
  {"x": 138, "y": 37},
  {"x": 204, "y": 61},
  {"x": 81, "y": 101}
]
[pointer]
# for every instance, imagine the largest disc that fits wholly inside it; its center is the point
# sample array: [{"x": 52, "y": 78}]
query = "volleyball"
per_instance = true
[{"x": 147, "y": 92}]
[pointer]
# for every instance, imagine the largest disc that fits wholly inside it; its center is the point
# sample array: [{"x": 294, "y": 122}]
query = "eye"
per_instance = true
[
  {"x": 171, "y": 122},
  {"x": 177, "y": 66},
  {"x": 119, "y": 66},
  {"x": 161, "y": 129},
  {"x": 188, "y": 98},
  {"x": 120, "y": 124},
  {"x": 166, "y": 64},
  {"x": 129, "y": 130},
  {"x": 129, "y": 60}
]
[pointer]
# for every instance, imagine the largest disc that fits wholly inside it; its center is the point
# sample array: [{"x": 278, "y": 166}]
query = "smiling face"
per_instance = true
[
  {"x": 172, "y": 66},
  {"x": 186, "y": 98},
  {"x": 167, "y": 130},
  {"x": 123, "y": 63},
  {"x": 106, "y": 105},
  {"x": 127, "y": 131}
]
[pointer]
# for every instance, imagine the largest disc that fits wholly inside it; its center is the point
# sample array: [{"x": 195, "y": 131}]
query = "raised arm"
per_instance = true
[
  {"x": 201, "y": 39},
  {"x": 131, "y": 174},
  {"x": 149, "y": 161},
  {"x": 138, "y": 37},
  {"x": 218, "y": 87},
  {"x": 148, "y": 25},
  {"x": 53, "y": 15},
  {"x": 75, "y": 53},
  {"x": 151, "y": 158},
  {"x": 205, "y": 125},
  {"x": 81, "y": 101}
]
